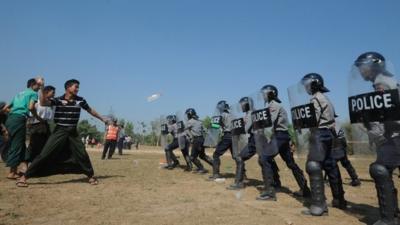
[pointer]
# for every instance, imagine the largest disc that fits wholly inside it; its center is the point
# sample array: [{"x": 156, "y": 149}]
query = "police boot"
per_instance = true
[
  {"x": 355, "y": 182},
  {"x": 168, "y": 159},
  {"x": 216, "y": 165},
  {"x": 207, "y": 159},
  {"x": 338, "y": 193},
  {"x": 269, "y": 191},
  {"x": 200, "y": 169},
  {"x": 396, "y": 200},
  {"x": 318, "y": 203},
  {"x": 189, "y": 166},
  {"x": 276, "y": 178},
  {"x": 174, "y": 160},
  {"x": 302, "y": 182},
  {"x": 386, "y": 194},
  {"x": 239, "y": 176}
]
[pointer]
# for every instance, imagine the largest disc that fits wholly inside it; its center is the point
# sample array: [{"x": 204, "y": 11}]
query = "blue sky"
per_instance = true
[{"x": 195, "y": 52}]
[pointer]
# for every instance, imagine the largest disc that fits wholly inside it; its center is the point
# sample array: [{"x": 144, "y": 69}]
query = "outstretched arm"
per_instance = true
[{"x": 95, "y": 114}]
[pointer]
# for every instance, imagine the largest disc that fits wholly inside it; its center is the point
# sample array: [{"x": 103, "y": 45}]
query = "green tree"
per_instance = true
[
  {"x": 129, "y": 129},
  {"x": 122, "y": 122},
  {"x": 86, "y": 129},
  {"x": 207, "y": 122}
]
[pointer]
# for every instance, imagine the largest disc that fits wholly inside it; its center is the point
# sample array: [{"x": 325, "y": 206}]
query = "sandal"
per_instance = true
[
  {"x": 13, "y": 177},
  {"x": 93, "y": 181},
  {"x": 22, "y": 184}
]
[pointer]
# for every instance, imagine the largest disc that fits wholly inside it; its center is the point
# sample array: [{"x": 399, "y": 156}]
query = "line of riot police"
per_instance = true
[{"x": 259, "y": 125}]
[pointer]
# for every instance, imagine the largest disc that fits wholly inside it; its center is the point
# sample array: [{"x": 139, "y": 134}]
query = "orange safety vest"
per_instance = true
[{"x": 112, "y": 133}]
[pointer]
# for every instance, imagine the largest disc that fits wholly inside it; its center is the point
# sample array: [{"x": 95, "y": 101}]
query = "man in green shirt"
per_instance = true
[{"x": 21, "y": 105}]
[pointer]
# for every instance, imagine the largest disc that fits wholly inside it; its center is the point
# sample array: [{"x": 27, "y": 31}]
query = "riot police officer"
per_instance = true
[
  {"x": 320, "y": 151},
  {"x": 172, "y": 161},
  {"x": 247, "y": 107},
  {"x": 225, "y": 122},
  {"x": 383, "y": 131},
  {"x": 280, "y": 123},
  {"x": 195, "y": 129}
]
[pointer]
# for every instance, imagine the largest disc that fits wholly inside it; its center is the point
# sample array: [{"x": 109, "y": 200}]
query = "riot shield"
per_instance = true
[
  {"x": 239, "y": 137},
  {"x": 374, "y": 109},
  {"x": 163, "y": 132},
  {"x": 263, "y": 127},
  {"x": 182, "y": 136},
  {"x": 213, "y": 132},
  {"x": 303, "y": 119}
]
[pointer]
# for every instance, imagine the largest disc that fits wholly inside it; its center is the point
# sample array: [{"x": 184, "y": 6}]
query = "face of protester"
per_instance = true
[
  {"x": 36, "y": 87},
  {"x": 50, "y": 94},
  {"x": 73, "y": 89},
  {"x": 40, "y": 82}
]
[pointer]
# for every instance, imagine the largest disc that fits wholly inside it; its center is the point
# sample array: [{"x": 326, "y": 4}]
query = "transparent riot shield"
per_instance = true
[
  {"x": 182, "y": 136},
  {"x": 262, "y": 127},
  {"x": 303, "y": 119},
  {"x": 374, "y": 110},
  {"x": 214, "y": 131},
  {"x": 239, "y": 136},
  {"x": 163, "y": 132}
]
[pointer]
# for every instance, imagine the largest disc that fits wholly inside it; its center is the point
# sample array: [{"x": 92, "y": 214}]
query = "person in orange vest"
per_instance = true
[{"x": 110, "y": 137}]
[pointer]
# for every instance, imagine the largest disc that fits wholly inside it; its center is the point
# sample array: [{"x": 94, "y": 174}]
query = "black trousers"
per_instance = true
[
  {"x": 175, "y": 145},
  {"x": 197, "y": 147},
  {"x": 120, "y": 146},
  {"x": 109, "y": 146},
  {"x": 39, "y": 134},
  {"x": 224, "y": 145},
  {"x": 64, "y": 153},
  {"x": 266, "y": 163},
  {"x": 321, "y": 153}
]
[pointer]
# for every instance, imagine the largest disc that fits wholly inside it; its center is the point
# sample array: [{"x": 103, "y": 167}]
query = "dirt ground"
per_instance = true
[{"x": 134, "y": 189}]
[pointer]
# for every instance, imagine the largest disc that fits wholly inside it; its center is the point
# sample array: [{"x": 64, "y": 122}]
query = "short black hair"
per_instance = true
[
  {"x": 49, "y": 88},
  {"x": 30, "y": 82},
  {"x": 69, "y": 83}
]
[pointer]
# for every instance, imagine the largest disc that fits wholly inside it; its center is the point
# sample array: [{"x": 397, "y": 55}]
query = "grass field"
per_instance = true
[{"x": 134, "y": 189}]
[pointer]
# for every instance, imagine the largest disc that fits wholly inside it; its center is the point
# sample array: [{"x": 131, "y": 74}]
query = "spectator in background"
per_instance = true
[
  {"x": 121, "y": 139},
  {"x": 110, "y": 139},
  {"x": 128, "y": 140}
]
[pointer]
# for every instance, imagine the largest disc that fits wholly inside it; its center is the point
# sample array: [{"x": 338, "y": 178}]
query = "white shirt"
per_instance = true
[{"x": 44, "y": 112}]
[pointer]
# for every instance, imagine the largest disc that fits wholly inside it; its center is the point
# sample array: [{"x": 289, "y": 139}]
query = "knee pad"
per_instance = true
[
  {"x": 378, "y": 171},
  {"x": 313, "y": 167}
]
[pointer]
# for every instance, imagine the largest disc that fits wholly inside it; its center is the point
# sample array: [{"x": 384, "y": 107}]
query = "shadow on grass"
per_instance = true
[
  {"x": 364, "y": 213},
  {"x": 73, "y": 181}
]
